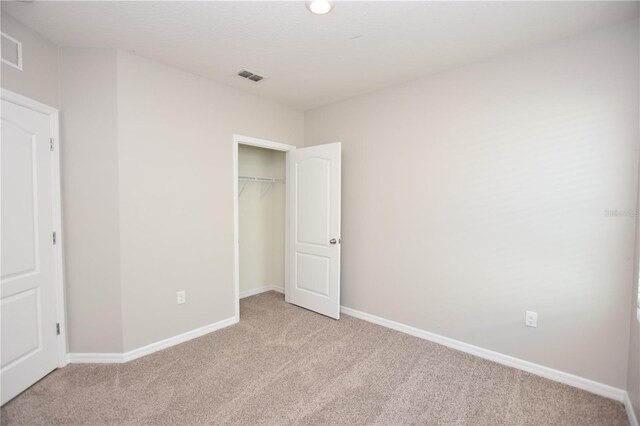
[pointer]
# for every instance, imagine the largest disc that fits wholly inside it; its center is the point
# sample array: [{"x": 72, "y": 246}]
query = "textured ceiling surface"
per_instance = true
[{"x": 310, "y": 60}]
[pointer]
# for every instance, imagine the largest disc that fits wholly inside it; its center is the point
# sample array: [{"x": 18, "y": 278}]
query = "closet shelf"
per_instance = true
[{"x": 247, "y": 179}]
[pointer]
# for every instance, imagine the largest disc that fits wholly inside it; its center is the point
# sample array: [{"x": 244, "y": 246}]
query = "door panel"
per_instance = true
[
  {"x": 18, "y": 225},
  {"x": 313, "y": 273},
  {"x": 20, "y": 326},
  {"x": 27, "y": 294},
  {"x": 313, "y": 212},
  {"x": 312, "y": 201}
]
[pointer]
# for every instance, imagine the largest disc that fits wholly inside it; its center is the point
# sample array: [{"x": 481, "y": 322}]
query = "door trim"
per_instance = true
[
  {"x": 58, "y": 252},
  {"x": 261, "y": 143}
]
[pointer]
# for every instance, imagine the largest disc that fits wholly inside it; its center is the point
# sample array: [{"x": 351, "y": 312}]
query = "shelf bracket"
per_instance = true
[
  {"x": 244, "y": 185},
  {"x": 266, "y": 191}
]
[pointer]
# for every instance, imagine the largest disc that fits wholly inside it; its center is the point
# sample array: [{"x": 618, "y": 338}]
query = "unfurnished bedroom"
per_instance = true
[{"x": 320, "y": 212}]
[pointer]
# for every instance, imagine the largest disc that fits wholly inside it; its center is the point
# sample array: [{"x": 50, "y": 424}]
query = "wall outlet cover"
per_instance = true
[{"x": 531, "y": 319}]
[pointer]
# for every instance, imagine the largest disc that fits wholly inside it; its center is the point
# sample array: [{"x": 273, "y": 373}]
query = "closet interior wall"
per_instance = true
[{"x": 261, "y": 220}]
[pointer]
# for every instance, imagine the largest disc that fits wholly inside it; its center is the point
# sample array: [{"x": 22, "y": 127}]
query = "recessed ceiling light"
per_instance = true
[{"x": 320, "y": 7}]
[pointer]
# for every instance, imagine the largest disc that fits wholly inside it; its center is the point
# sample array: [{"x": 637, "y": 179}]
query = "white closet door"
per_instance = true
[
  {"x": 28, "y": 336},
  {"x": 313, "y": 210}
]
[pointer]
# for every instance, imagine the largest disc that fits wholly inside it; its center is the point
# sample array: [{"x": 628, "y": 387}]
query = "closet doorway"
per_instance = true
[{"x": 287, "y": 222}]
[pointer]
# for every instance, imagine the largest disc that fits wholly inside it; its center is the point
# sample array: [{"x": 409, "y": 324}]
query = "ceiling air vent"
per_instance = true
[
  {"x": 11, "y": 51},
  {"x": 251, "y": 76}
]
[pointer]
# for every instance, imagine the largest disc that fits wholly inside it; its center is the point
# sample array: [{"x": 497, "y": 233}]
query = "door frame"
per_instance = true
[
  {"x": 58, "y": 252},
  {"x": 260, "y": 143}
]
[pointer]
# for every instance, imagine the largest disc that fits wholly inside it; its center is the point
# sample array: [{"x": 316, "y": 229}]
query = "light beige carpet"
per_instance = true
[{"x": 284, "y": 365}]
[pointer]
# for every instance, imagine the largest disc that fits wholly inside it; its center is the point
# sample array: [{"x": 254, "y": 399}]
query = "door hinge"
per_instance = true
[
  {"x": 51, "y": 143},
  {"x": 58, "y": 328},
  {"x": 54, "y": 238}
]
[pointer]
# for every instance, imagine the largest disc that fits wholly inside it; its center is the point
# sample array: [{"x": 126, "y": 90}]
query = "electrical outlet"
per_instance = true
[
  {"x": 182, "y": 297},
  {"x": 531, "y": 319}
]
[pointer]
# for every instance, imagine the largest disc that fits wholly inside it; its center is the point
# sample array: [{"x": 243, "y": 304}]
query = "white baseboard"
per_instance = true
[
  {"x": 115, "y": 358},
  {"x": 633, "y": 420},
  {"x": 259, "y": 290},
  {"x": 254, "y": 291},
  {"x": 96, "y": 358},
  {"x": 540, "y": 370}
]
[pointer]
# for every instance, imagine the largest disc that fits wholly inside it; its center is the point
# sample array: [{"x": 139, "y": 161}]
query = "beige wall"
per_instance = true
[
  {"x": 261, "y": 219},
  {"x": 39, "y": 76},
  {"x": 476, "y": 194},
  {"x": 175, "y": 133},
  {"x": 633, "y": 375},
  {"x": 148, "y": 193},
  {"x": 90, "y": 199}
]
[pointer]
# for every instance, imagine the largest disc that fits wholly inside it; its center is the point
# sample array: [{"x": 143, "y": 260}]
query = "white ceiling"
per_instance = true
[{"x": 309, "y": 60}]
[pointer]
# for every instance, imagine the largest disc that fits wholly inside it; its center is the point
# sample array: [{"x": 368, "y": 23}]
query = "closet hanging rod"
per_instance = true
[
  {"x": 259, "y": 179},
  {"x": 247, "y": 179}
]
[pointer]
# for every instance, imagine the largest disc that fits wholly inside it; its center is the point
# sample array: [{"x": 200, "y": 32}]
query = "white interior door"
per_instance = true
[
  {"x": 313, "y": 212},
  {"x": 28, "y": 339}
]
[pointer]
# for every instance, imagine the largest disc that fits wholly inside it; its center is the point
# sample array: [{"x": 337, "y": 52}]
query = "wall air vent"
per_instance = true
[
  {"x": 251, "y": 76},
  {"x": 11, "y": 51}
]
